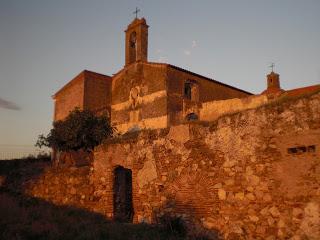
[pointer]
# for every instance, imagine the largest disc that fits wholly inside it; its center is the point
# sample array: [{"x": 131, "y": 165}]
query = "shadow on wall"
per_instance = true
[
  {"x": 25, "y": 217},
  {"x": 14, "y": 174},
  {"x": 74, "y": 158},
  {"x": 175, "y": 217}
]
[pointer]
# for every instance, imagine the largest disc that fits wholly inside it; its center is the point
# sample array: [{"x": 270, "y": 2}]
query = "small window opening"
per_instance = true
[
  {"x": 187, "y": 90},
  {"x": 292, "y": 150},
  {"x": 192, "y": 117},
  {"x": 302, "y": 149},
  {"x": 312, "y": 148},
  {"x": 133, "y": 39},
  {"x": 132, "y": 47}
]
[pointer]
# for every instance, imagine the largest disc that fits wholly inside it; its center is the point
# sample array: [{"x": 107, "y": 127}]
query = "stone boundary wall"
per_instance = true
[
  {"x": 251, "y": 175},
  {"x": 72, "y": 186},
  {"x": 63, "y": 186}
]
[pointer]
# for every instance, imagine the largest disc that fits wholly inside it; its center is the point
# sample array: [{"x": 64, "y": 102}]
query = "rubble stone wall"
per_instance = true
[{"x": 251, "y": 175}]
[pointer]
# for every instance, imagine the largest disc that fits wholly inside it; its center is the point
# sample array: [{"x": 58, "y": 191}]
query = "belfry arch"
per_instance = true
[{"x": 133, "y": 47}]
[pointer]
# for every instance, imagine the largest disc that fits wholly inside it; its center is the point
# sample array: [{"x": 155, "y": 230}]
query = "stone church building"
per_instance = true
[
  {"x": 149, "y": 95},
  {"x": 143, "y": 95},
  {"x": 211, "y": 154}
]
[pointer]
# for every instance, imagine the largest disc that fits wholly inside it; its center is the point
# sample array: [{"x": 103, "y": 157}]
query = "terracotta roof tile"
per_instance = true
[{"x": 303, "y": 90}]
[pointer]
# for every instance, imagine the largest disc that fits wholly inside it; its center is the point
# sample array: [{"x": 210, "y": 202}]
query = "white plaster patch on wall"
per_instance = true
[
  {"x": 148, "y": 123},
  {"x": 179, "y": 133},
  {"x": 121, "y": 106},
  {"x": 155, "y": 123},
  {"x": 147, "y": 173},
  {"x": 151, "y": 97},
  {"x": 143, "y": 100}
]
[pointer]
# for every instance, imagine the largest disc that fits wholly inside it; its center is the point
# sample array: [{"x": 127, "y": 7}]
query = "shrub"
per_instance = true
[{"x": 82, "y": 129}]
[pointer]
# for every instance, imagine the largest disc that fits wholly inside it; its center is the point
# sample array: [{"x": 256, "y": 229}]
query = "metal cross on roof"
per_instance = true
[
  {"x": 136, "y": 12},
  {"x": 271, "y": 66}
]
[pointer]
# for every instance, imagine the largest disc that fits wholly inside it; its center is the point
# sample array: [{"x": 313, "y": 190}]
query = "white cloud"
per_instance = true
[
  {"x": 187, "y": 52},
  {"x": 163, "y": 59},
  {"x": 194, "y": 44},
  {"x": 159, "y": 51}
]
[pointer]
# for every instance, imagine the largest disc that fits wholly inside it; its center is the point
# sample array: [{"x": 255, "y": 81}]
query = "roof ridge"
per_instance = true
[
  {"x": 86, "y": 70},
  {"x": 77, "y": 78},
  {"x": 184, "y": 70},
  {"x": 209, "y": 79}
]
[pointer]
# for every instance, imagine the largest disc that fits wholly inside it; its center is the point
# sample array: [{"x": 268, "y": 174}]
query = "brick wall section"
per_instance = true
[
  {"x": 69, "y": 97},
  {"x": 150, "y": 77},
  {"x": 97, "y": 95},
  {"x": 235, "y": 175},
  {"x": 88, "y": 90},
  {"x": 209, "y": 90}
]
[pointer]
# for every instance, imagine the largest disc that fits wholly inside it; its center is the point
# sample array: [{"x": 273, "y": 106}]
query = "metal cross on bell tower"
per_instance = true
[
  {"x": 272, "y": 66},
  {"x": 136, "y": 12}
]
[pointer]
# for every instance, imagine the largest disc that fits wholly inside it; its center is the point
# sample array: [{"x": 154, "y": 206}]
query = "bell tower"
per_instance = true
[
  {"x": 137, "y": 41},
  {"x": 273, "y": 84},
  {"x": 273, "y": 80}
]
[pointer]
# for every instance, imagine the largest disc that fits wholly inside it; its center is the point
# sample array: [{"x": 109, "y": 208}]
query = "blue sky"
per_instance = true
[{"x": 44, "y": 44}]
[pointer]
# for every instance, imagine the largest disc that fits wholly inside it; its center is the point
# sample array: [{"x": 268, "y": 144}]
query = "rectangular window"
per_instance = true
[
  {"x": 187, "y": 90},
  {"x": 312, "y": 148},
  {"x": 302, "y": 149},
  {"x": 292, "y": 150}
]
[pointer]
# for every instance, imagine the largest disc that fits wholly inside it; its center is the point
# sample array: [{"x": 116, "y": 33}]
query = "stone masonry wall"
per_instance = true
[
  {"x": 73, "y": 186},
  {"x": 211, "y": 111},
  {"x": 250, "y": 175},
  {"x": 208, "y": 91},
  {"x": 97, "y": 94},
  {"x": 139, "y": 98}
]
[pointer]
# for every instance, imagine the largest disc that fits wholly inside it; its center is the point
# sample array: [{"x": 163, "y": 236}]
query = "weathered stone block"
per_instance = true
[{"x": 222, "y": 194}]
